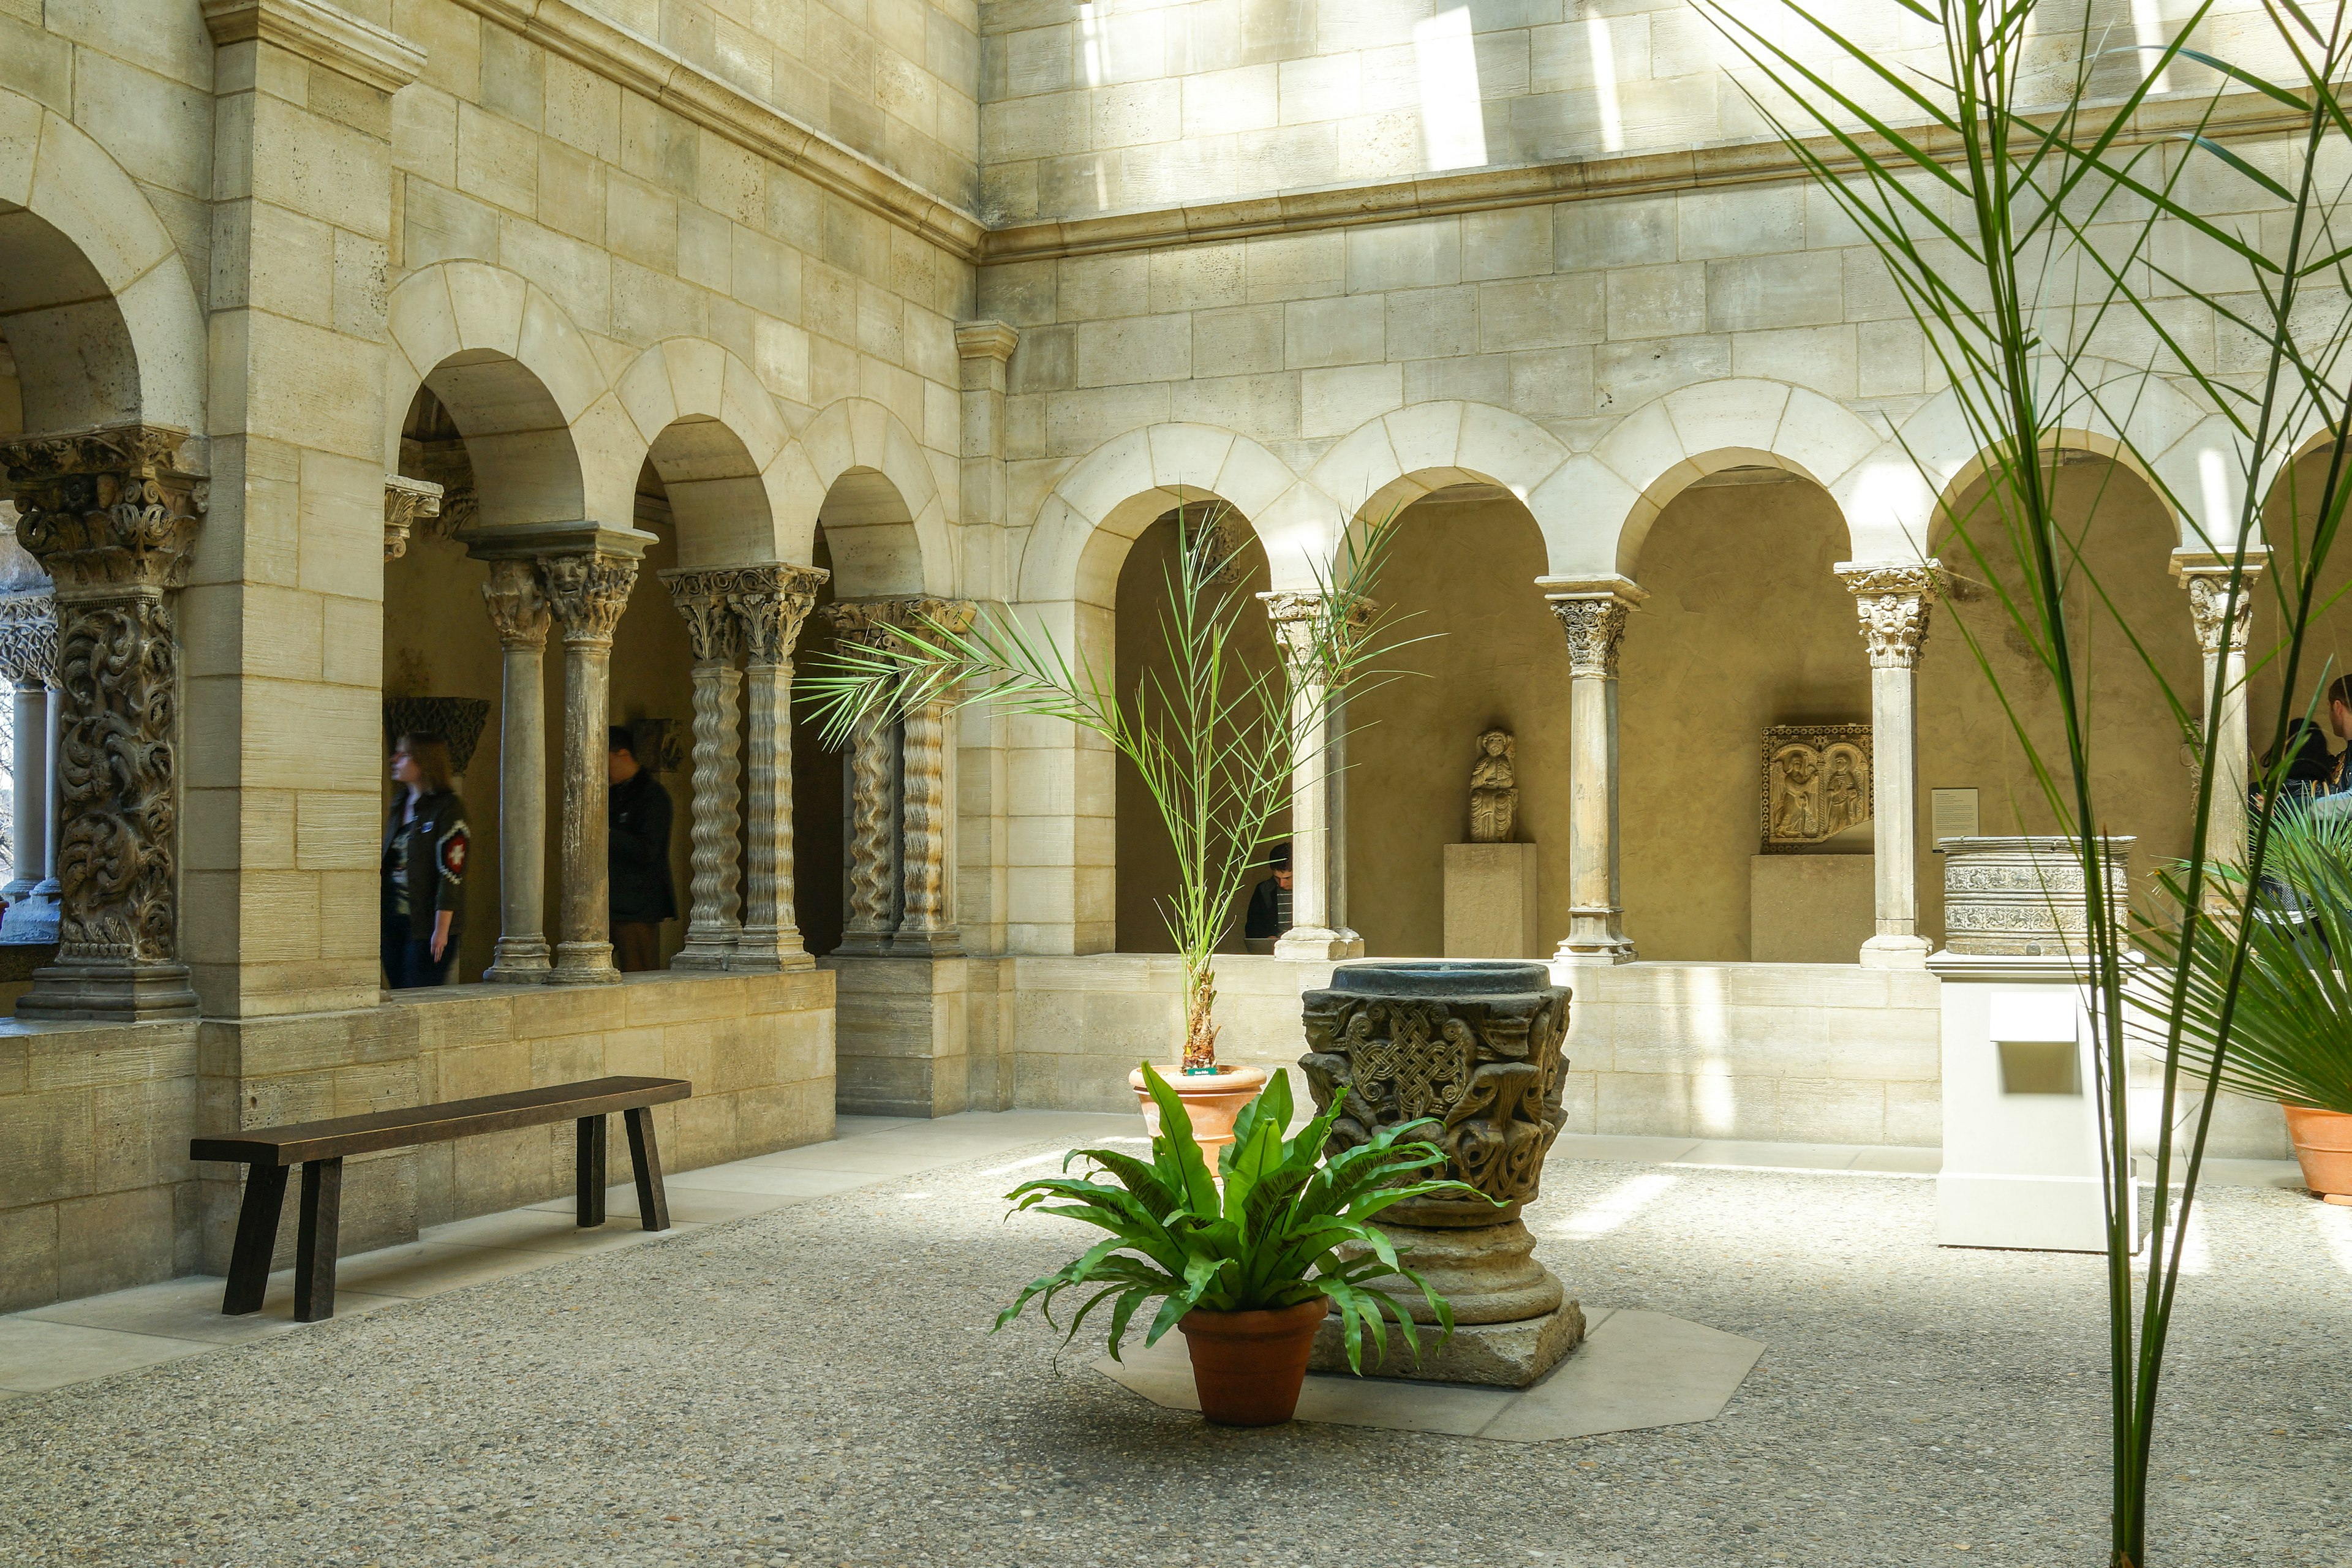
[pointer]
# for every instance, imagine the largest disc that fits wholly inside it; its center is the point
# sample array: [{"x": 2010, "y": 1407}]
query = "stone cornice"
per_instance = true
[
  {"x": 622, "y": 56},
  {"x": 321, "y": 33},
  {"x": 2240, "y": 116},
  {"x": 986, "y": 340}
]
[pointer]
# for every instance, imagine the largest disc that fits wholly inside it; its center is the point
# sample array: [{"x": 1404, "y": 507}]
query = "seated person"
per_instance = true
[{"x": 1269, "y": 905}]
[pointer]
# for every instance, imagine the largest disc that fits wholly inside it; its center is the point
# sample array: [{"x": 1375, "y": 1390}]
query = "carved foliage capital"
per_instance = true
[
  {"x": 1893, "y": 602},
  {"x": 518, "y": 604},
  {"x": 28, "y": 638},
  {"x": 1301, "y": 620},
  {"x": 705, "y": 599},
  {"x": 771, "y": 603},
  {"x": 108, "y": 513},
  {"x": 586, "y": 594},
  {"x": 875, "y": 622},
  {"x": 2214, "y": 615},
  {"x": 405, "y": 500},
  {"x": 1595, "y": 625}
]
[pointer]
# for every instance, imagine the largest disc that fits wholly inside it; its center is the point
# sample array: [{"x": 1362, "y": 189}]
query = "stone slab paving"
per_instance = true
[{"x": 816, "y": 1384}]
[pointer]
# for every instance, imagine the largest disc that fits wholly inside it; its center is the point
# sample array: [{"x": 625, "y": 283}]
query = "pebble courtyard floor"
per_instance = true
[{"x": 802, "y": 1374}]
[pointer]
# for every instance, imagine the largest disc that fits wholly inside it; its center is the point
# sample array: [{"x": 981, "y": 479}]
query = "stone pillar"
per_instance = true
[
  {"x": 517, "y": 606},
  {"x": 982, "y": 348},
  {"x": 405, "y": 501},
  {"x": 870, "y": 912},
  {"x": 770, "y": 604},
  {"x": 927, "y": 924},
  {"x": 28, "y": 660},
  {"x": 1592, "y": 613},
  {"x": 111, "y": 516},
  {"x": 714, "y": 905},
  {"x": 1298, "y": 619},
  {"x": 2222, "y": 629},
  {"x": 586, "y": 592},
  {"x": 1893, "y": 601}
]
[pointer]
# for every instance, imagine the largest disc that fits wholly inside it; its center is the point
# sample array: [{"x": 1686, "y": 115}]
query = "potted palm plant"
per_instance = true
[
  {"x": 1245, "y": 1263},
  {"x": 1215, "y": 739},
  {"x": 2283, "y": 1030}
]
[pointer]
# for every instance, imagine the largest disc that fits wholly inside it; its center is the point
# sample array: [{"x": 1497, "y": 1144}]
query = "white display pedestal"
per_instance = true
[
  {"x": 1490, "y": 900},
  {"x": 2022, "y": 1138}
]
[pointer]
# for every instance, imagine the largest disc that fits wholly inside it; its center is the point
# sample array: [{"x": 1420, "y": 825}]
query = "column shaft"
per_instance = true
[
  {"x": 587, "y": 593},
  {"x": 517, "y": 607},
  {"x": 770, "y": 604},
  {"x": 2222, "y": 629},
  {"x": 1300, "y": 622},
  {"x": 1893, "y": 602},
  {"x": 928, "y": 922},
  {"x": 714, "y": 907},
  {"x": 29, "y": 789},
  {"x": 28, "y": 660}
]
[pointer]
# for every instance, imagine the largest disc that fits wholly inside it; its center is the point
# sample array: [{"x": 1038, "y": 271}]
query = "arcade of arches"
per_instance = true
[{"x": 373, "y": 368}]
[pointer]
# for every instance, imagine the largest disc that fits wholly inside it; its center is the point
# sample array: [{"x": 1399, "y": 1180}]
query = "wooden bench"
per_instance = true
[{"x": 320, "y": 1148}]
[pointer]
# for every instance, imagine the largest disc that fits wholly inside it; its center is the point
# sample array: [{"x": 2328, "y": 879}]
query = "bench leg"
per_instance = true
[
  {"x": 256, "y": 1238},
  {"x": 588, "y": 1185},
  {"x": 314, "y": 1246},
  {"x": 653, "y": 1205}
]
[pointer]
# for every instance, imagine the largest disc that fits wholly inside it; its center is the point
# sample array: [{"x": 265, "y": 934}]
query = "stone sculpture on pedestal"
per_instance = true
[
  {"x": 1495, "y": 789},
  {"x": 1476, "y": 1047}
]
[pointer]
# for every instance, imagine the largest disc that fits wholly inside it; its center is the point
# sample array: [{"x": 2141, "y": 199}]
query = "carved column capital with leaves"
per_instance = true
[
  {"x": 517, "y": 604},
  {"x": 108, "y": 513},
  {"x": 2207, "y": 578},
  {"x": 406, "y": 501},
  {"x": 705, "y": 599},
  {"x": 769, "y": 605},
  {"x": 1592, "y": 616},
  {"x": 586, "y": 593},
  {"x": 1893, "y": 601},
  {"x": 1303, "y": 621}
]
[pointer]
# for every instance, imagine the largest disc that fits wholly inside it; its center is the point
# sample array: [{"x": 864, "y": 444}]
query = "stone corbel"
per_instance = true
[{"x": 405, "y": 500}]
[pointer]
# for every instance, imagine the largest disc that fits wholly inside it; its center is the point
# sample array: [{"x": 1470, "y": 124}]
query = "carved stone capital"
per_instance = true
[
  {"x": 517, "y": 603},
  {"x": 875, "y": 622},
  {"x": 713, "y": 630},
  {"x": 28, "y": 638},
  {"x": 586, "y": 594},
  {"x": 986, "y": 340},
  {"x": 771, "y": 603},
  {"x": 2207, "y": 577},
  {"x": 108, "y": 513},
  {"x": 405, "y": 501},
  {"x": 1892, "y": 600},
  {"x": 1302, "y": 620},
  {"x": 1595, "y": 625}
]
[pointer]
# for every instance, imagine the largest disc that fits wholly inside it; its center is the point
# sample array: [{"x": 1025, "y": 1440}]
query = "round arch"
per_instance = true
[
  {"x": 1083, "y": 528},
  {"x": 712, "y": 432},
  {"x": 858, "y": 467},
  {"x": 99, "y": 230},
  {"x": 1394, "y": 460}
]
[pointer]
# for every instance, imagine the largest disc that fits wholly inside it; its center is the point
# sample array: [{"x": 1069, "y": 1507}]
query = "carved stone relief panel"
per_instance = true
[{"x": 1816, "y": 784}]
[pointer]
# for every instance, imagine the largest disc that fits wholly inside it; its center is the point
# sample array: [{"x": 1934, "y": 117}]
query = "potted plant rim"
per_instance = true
[
  {"x": 1216, "y": 738},
  {"x": 2284, "y": 1031},
  {"x": 1247, "y": 1263}
]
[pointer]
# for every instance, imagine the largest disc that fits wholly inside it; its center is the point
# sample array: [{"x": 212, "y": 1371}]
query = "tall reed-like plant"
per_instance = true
[
  {"x": 1216, "y": 739},
  {"x": 2043, "y": 220}
]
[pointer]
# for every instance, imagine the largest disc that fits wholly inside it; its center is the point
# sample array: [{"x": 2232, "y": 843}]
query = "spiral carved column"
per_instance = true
[
  {"x": 872, "y": 851},
  {"x": 112, "y": 515},
  {"x": 769, "y": 605},
  {"x": 926, "y": 922},
  {"x": 714, "y": 905}
]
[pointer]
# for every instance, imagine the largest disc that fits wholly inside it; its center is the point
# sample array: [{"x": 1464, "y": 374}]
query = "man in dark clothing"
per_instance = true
[
  {"x": 636, "y": 857},
  {"x": 1269, "y": 905}
]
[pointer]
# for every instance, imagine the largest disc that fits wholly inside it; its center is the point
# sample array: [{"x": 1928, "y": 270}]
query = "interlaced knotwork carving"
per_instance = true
[{"x": 28, "y": 638}]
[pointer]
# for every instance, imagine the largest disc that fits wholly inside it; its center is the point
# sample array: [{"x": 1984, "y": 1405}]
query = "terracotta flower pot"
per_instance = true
[
  {"x": 1214, "y": 1100},
  {"x": 2323, "y": 1145},
  {"x": 1248, "y": 1367}
]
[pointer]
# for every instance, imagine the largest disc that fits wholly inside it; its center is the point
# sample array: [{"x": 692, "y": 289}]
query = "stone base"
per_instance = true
[
  {"x": 112, "y": 993},
  {"x": 1496, "y": 1355},
  {"x": 1490, "y": 900}
]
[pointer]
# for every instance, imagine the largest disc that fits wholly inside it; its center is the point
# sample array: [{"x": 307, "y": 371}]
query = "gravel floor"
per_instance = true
[{"x": 817, "y": 1386}]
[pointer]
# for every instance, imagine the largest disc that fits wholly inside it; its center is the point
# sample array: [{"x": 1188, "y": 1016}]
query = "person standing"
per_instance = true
[
  {"x": 636, "y": 857},
  {"x": 424, "y": 867}
]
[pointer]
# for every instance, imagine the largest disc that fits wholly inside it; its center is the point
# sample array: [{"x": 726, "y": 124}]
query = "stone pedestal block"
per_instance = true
[
  {"x": 1513, "y": 1320},
  {"x": 899, "y": 1034},
  {"x": 1490, "y": 900},
  {"x": 1495, "y": 1355},
  {"x": 1810, "y": 909}
]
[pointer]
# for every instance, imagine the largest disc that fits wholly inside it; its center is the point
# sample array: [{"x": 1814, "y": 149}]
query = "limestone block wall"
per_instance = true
[
  {"x": 95, "y": 1190},
  {"x": 758, "y": 1049}
]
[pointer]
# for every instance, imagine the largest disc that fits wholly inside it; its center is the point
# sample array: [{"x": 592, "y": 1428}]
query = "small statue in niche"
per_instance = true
[{"x": 1494, "y": 788}]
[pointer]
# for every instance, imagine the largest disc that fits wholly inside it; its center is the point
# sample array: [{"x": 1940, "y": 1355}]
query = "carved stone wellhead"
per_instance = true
[
  {"x": 112, "y": 515},
  {"x": 1476, "y": 1047}
]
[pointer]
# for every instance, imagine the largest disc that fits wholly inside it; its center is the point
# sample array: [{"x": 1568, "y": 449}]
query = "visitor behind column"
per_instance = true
[
  {"x": 424, "y": 899},
  {"x": 2331, "y": 792},
  {"x": 637, "y": 857},
  {"x": 1269, "y": 905}
]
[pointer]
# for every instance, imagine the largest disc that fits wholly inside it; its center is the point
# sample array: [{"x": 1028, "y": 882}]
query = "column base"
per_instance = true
[
  {"x": 33, "y": 915},
  {"x": 864, "y": 943},
  {"x": 112, "y": 993},
  {"x": 1314, "y": 944},
  {"x": 583, "y": 964},
  {"x": 1599, "y": 957},
  {"x": 1353, "y": 943},
  {"x": 707, "y": 953},
  {"x": 927, "y": 944},
  {"x": 1895, "y": 952},
  {"x": 768, "y": 953},
  {"x": 517, "y": 961}
]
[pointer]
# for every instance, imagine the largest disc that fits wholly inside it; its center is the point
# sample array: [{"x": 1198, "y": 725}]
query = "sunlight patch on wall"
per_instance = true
[
  {"x": 1604, "y": 84},
  {"x": 1453, "y": 123},
  {"x": 2148, "y": 23}
]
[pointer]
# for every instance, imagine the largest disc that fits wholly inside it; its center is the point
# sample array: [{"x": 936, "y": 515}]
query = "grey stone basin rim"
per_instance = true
[{"x": 1439, "y": 977}]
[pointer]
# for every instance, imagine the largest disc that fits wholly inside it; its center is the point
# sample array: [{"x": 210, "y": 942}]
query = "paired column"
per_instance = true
[
  {"x": 2223, "y": 625},
  {"x": 1893, "y": 601},
  {"x": 1592, "y": 613},
  {"x": 586, "y": 594},
  {"x": 28, "y": 660},
  {"x": 714, "y": 905},
  {"x": 1300, "y": 623},
  {"x": 771, "y": 604},
  {"x": 517, "y": 606},
  {"x": 901, "y": 848},
  {"x": 111, "y": 516}
]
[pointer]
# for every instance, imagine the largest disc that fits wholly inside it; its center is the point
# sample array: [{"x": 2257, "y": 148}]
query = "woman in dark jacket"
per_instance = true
[{"x": 425, "y": 853}]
